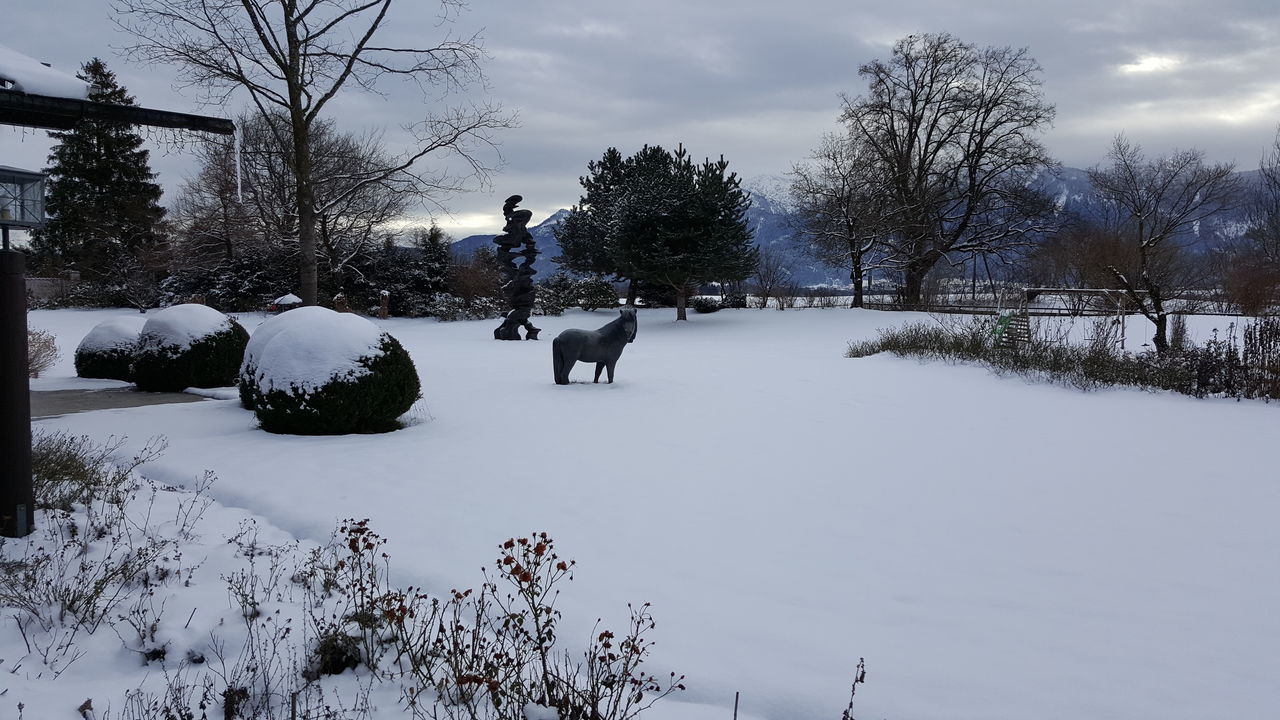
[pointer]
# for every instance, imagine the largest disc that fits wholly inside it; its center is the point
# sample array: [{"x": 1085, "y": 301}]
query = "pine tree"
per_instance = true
[
  {"x": 659, "y": 218},
  {"x": 104, "y": 207},
  {"x": 587, "y": 235}
]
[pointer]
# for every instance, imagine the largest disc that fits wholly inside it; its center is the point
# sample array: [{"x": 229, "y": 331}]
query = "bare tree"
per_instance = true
[
  {"x": 1264, "y": 207},
  {"x": 835, "y": 204},
  {"x": 295, "y": 56},
  {"x": 772, "y": 274},
  {"x": 952, "y": 132},
  {"x": 211, "y": 223},
  {"x": 221, "y": 214},
  {"x": 1159, "y": 205},
  {"x": 1249, "y": 266}
]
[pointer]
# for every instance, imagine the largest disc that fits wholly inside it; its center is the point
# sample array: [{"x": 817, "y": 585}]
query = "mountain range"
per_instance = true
[{"x": 771, "y": 224}]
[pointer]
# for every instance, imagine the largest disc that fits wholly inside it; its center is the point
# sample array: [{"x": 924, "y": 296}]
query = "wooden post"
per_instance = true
[
  {"x": 384, "y": 300},
  {"x": 17, "y": 497}
]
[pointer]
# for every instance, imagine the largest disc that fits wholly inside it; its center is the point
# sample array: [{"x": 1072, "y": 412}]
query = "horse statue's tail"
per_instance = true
[{"x": 557, "y": 362}]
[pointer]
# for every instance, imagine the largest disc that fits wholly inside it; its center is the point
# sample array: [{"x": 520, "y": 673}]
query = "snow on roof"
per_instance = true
[
  {"x": 289, "y": 299},
  {"x": 29, "y": 75}
]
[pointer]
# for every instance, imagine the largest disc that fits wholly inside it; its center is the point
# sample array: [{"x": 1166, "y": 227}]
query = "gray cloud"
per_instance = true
[{"x": 758, "y": 81}]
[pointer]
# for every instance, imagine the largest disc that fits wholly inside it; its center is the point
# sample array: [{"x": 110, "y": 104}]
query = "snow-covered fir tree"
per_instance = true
[{"x": 101, "y": 196}]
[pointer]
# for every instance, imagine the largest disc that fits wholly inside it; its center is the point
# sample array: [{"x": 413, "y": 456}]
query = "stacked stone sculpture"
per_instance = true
[{"x": 518, "y": 279}]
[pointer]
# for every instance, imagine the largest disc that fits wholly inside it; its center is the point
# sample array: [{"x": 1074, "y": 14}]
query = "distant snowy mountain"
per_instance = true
[
  {"x": 1073, "y": 194},
  {"x": 771, "y": 225},
  {"x": 768, "y": 219},
  {"x": 544, "y": 238}
]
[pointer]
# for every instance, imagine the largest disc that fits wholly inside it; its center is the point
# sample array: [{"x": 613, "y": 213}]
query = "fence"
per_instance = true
[{"x": 50, "y": 288}]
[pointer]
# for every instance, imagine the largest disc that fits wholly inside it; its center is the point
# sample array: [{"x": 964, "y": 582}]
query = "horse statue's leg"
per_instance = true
[{"x": 599, "y": 367}]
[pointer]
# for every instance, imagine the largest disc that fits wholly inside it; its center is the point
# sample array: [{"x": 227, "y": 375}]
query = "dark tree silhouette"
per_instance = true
[
  {"x": 103, "y": 203},
  {"x": 1157, "y": 202},
  {"x": 836, "y": 204},
  {"x": 657, "y": 217},
  {"x": 951, "y": 132}
]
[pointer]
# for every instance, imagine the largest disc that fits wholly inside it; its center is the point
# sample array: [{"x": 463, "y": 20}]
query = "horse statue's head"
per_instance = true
[{"x": 629, "y": 323}]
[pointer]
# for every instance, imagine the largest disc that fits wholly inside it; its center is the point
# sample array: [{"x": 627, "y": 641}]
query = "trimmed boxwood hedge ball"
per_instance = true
[
  {"x": 188, "y": 346},
  {"x": 107, "y": 351},
  {"x": 261, "y": 337},
  {"x": 322, "y": 372}
]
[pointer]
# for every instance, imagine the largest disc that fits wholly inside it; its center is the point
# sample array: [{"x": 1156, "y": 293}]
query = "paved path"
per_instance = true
[{"x": 51, "y": 403}]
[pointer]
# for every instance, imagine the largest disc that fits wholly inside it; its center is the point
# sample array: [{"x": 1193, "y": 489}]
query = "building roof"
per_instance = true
[{"x": 58, "y": 113}]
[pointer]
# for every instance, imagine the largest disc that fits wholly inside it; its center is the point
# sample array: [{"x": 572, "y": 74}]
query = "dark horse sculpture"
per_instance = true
[{"x": 602, "y": 347}]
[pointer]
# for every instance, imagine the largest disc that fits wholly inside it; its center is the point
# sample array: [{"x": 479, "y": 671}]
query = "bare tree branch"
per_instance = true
[
  {"x": 299, "y": 56},
  {"x": 951, "y": 136}
]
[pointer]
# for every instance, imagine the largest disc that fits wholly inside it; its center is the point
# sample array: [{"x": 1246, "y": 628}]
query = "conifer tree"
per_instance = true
[
  {"x": 103, "y": 203},
  {"x": 659, "y": 218}
]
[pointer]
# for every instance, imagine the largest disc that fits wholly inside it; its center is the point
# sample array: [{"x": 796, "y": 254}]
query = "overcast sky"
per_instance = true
[{"x": 757, "y": 82}]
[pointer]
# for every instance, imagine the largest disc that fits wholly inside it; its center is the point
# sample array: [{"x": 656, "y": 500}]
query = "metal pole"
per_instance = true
[{"x": 17, "y": 499}]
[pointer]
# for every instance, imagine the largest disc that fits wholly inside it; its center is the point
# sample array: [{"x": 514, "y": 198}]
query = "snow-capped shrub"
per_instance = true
[
  {"x": 107, "y": 351},
  {"x": 188, "y": 346},
  {"x": 446, "y": 307},
  {"x": 705, "y": 304},
  {"x": 556, "y": 294},
  {"x": 266, "y": 331},
  {"x": 320, "y": 372},
  {"x": 597, "y": 292}
]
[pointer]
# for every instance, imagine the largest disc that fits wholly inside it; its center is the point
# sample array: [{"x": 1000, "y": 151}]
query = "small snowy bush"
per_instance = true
[
  {"x": 450, "y": 308},
  {"x": 596, "y": 293},
  {"x": 313, "y": 371},
  {"x": 97, "y": 555},
  {"x": 42, "y": 352},
  {"x": 705, "y": 305},
  {"x": 188, "y": 346},
  {"x": 249, "y": 394},
  {"x": 107, "y": 351},
  {"x": 556, "y": 294}
]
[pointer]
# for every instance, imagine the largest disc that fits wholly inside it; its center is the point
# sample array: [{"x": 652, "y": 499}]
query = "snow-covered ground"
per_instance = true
[{"x": 994, "y": 549}]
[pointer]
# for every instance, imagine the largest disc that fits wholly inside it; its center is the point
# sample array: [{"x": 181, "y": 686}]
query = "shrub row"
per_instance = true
[
  {"x": 560, "y": 292},
  {"x": 176, "y": 348},
  {"x": 1222, "y": 367}
]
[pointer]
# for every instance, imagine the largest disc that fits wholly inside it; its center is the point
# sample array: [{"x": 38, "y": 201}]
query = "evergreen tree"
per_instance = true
[
  {"x": 105, "y": 213},
  {"x": 659, "y": 218},
  {"x": 588, "y": 235},
  {"x": 413, "y": 275}
]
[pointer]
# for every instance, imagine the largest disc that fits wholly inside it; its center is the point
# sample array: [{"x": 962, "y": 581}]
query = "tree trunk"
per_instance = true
[
  {"x": 1158, "y": 316},
  {"x": 855, "y": 275},
  {"x": 308, "y": 270},
  {"x": 913, "y": 285},
  {"x": 682, "y": 297},
  {"x": 1154, "y": 296},
  {"x": 307, "y": 267},
  {"x": 631, "y": 293},
  {"x": 1161, "y": 338},
  {"x": 302, "y": 169},
  {"x": 913, "y": 277}
]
